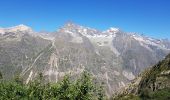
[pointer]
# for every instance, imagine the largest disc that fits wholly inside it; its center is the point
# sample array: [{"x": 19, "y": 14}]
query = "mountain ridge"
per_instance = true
[
  {"x": 151, "y": 84},
  {"x": 110, "y": 29}
]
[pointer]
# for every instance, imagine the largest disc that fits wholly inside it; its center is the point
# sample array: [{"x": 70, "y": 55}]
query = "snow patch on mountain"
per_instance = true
[
  {"x": 112, "y": 30},
  {"x": 76, "y": 38},
  {"x": 145, "y": 42},
  {"x": 104, "y": 40}
]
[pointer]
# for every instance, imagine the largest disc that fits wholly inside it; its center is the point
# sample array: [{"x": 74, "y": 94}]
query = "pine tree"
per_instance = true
[
  {"x": 84, "y": 87},
  {"x": 1, "y": 77}
]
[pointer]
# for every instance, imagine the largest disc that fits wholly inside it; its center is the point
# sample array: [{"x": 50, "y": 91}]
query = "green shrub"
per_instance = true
[{"x": 80, "y": 89}]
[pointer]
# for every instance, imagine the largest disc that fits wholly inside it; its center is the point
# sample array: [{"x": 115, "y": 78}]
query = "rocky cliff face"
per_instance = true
[
  {"x": 113, "y": 56},
  {"x": 150, "y": 83}
]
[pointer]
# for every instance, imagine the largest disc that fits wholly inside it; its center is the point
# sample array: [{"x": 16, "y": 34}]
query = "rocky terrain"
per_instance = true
[
  {"x": 152, "y": 84},
  {"x": 112, "y": 56}
]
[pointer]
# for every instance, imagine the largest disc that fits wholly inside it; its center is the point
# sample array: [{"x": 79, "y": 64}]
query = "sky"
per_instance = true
[{"x": 148, "y": 17}]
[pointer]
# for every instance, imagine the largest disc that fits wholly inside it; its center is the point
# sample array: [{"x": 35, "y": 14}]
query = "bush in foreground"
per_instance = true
[{"x": 80, "y": 89}]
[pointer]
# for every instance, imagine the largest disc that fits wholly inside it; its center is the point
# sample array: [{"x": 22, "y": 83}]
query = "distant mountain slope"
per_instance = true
[
  {"x": 152, "y": 84},
  {"x": 112, "y": 56}
]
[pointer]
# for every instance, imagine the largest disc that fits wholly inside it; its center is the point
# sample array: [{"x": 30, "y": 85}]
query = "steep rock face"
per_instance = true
[
  {"x": 113, "y": 56},
  {"x": 18, "y": 50},
  {"x": 152, "y": 80},
  {"x": 157, "y": 77}
]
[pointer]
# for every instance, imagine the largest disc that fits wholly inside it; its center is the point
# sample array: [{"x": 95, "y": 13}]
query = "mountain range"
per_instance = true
[{"x": 113, "y": 57}]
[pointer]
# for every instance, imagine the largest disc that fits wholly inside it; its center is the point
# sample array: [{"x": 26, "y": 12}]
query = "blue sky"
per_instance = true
[{"x": 148, "y": 17}]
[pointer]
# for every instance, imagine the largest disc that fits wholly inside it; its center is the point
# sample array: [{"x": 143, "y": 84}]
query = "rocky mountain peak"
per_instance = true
[
  {"x": 71, "y": 25},
  {"x": 113, "y": 30},
  {"x": 73, "y": 28},
  {"x": 20, "y": 27}
]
